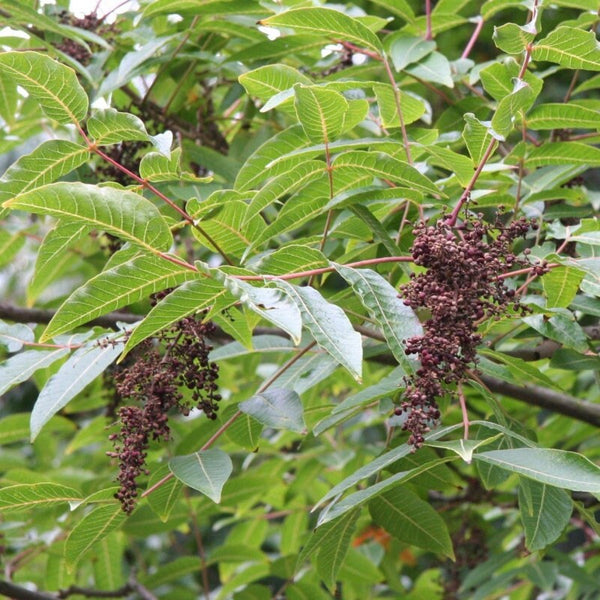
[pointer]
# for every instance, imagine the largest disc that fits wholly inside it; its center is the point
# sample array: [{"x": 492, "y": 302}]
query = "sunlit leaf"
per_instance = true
[
  {"x": 332, "y": 24},
  {"x": 53, "y": 85},
  {"x": 569, "y": 47},
  {"x": 127, "y": 215}
]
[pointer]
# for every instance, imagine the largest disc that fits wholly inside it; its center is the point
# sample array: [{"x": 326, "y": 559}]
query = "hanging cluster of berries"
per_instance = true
[
  {"x": 459, "y": 288},
  {"x": 153, "y": 384},
  {"x": 90, "y": 22}
]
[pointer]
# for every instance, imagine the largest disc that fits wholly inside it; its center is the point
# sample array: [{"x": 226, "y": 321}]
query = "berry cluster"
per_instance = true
[
  {"x": 90, "y": 22},
  {"x": 459, "y": 288},
  {"x": 127, "y": 155},
  {"x": 153, "y": 382}
]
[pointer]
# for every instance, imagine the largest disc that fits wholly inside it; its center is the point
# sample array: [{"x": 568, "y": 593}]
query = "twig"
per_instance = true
[
  {"x": 473, "y": 38},
  {"x": 463, "y": 408},
  {"x": 548, "y": 399}
]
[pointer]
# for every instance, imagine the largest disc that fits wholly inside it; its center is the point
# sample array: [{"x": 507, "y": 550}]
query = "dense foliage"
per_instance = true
[{"x": 300, "y": 300}]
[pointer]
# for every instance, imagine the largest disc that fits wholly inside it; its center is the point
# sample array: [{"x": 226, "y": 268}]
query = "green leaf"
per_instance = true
[
  {"x": 559, "y": 153},
  {"x": 386, "y": 167},
  {"x": 412, "y": 109},
  {"x": 53, "y": 255},
  {"x": 22, "y": 366},
  {"x": 14, "y": 428},
  {"x": 412, "y": 520},
  {"x": 491, "y": 7},
  {"x": 172, "y": 571},
  {"x": 10, "y": 245},
  {"x": 13, "y": 336},
  {"x": 457, "y": 164},
  {"x": 36, "y": 495},
  {"x": 400, "y": 8},
  {"x": 53, "y": 85},
  {"x": 330, "y": 23},
  {"x": 560, "y": 286},
  {"x": 108, "y": 126},
  {"x": 499, "y": 79},
  {"x": 48, "y": 162},
  {"x": 569, "y": 47},
  {"x": 379, "y": 463},
  {"x": 286, "y": 183},
  {"x": 519, "y": 370},
  {"x": 559, "y": 468},
  {"x": 511, "y": 107},
  {"x": 329, "y": 326},
  {"x": 130, "y": 64},
  {"x": 464, "y": 448},
  {"x": 108, "y": 563},
  {"x": 244, "y": 431},
  {"x": 127, "y": 215},
  {"x": 563, "y": 116},
  {"x": 332, "y": 540},
  {"x": 476, "y": 136},
  {"x": 84, "y": 365},
  {"x": 205, "y": 471},
  {"x": 545, "y": 512},
  {"x": 561, "y": 329},
  {"x": 512, "y": 38},
  {"x": 163, "y": 499},
  {"x": 564, "y": 358},
  {"x": 405, "y": 50},
  {"x": 94, "y": 527},
  {"x": 258, "y": 165},
  {"x": 398, "y": 322},
  {"x": 435, "y": 68},
  {"x": 156, "y": 167},
  {"x": 189, "y": 298},
  {"x": 277, "y": 408},
  {"x": 292, "y": 259},
  {"x": 336, "y": 509},
  {"x": 211, "y": 7},
  {"x": 233, "y": 228},
  {"x": 269, "y": 81},
  {"x": 271, "y": 304},
  {"x": 321, "y": 112},
  {"x": 115, "y": 288}
]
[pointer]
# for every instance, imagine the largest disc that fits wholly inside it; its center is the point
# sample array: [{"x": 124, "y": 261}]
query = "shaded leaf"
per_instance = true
[
  {"x": 22, "y": 366},
  {"x": 545, "y": 512},
  {"x": 277, "y": 408},
  {"x": 332, "y": 541},
  {"x": 412, "y": 520},
  {"x": 559, "y": 468},
  {"x": 205, "y": 471},
  {"x": 92, "y": 528},
  {"x": 398, "y": 322},
  {"x": 74, "y": 375},
  {"x": 329, "y": 326},
  {"x": 124, "y": 284}
]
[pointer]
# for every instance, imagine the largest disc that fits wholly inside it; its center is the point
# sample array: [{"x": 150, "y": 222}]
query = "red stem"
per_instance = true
[
  {"x": 428, "y": 33},
  {"x": 473, "y": 38}
]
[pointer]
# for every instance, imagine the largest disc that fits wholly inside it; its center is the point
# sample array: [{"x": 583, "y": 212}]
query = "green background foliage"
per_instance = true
[{"x": 265, "y": 161}]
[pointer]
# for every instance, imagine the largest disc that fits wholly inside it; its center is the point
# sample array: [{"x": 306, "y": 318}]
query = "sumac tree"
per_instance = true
[{"x": 300, "y": 299}]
